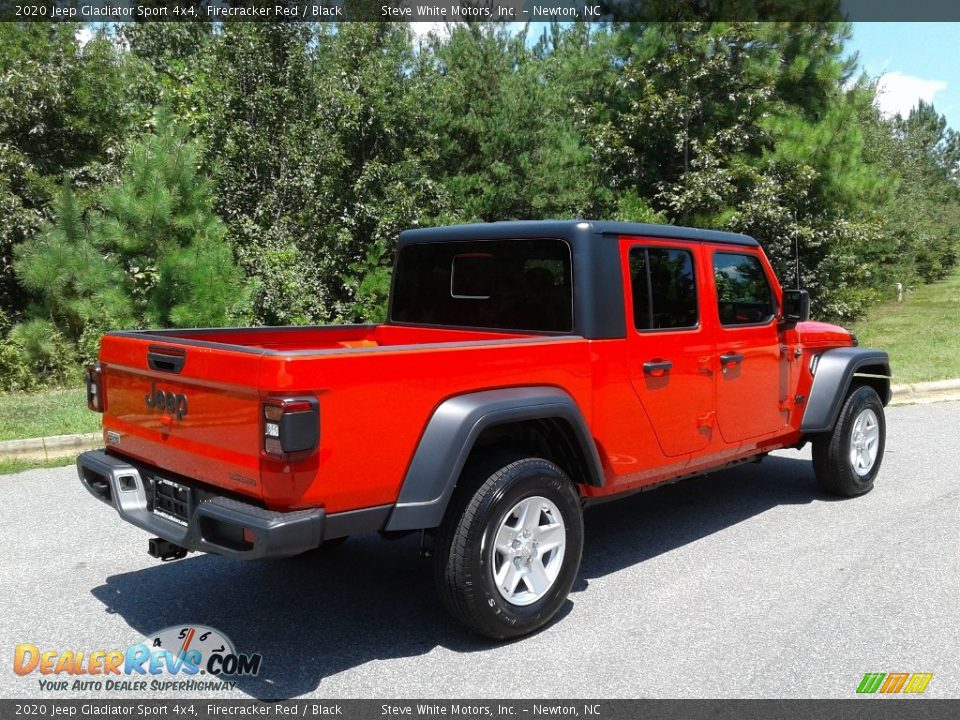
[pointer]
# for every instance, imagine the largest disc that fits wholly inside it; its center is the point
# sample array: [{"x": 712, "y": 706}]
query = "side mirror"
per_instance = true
[{"x": 796, "y": 306}]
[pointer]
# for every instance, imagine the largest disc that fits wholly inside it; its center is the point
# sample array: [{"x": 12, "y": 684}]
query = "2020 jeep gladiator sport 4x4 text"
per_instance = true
[{"x": 526, "y": 370}]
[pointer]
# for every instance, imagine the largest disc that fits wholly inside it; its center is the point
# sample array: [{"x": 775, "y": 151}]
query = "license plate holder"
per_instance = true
[{"x": 172, "y": 501}]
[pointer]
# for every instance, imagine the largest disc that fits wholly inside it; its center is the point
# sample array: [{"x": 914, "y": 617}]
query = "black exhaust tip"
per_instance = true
[{"x": 165, "y": 550}]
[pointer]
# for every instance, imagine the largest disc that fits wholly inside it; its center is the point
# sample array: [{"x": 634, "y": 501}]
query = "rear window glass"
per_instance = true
[
  {"x": 664, "y": 289},
  {"x": 493, "y": 284}
]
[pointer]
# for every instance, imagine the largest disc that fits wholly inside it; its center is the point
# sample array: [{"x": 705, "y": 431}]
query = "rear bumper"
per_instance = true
[{"x": 214, "y": 523}]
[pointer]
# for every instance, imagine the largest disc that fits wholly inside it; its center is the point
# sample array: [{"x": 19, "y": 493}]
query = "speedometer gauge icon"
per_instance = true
[{"x": 178, "y": 640}]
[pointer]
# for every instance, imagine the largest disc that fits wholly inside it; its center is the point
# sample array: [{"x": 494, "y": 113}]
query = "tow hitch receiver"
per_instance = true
[{"x": 165, "y": 550}]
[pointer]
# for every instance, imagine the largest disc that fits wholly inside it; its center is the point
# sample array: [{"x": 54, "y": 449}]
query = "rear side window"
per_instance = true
[
  {"x": 491, "y": 284},
  {"x": 744, "y": 296},
  {"x": 664, "y": 289}
]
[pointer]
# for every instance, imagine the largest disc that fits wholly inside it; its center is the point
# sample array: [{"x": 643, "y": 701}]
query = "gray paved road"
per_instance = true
[{"x": 744, "y": 583}]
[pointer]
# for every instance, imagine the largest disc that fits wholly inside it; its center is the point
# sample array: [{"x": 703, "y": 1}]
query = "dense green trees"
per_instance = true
[
  {"x": 184, "y": 174},
  {"x": 64, "y": 111},
  {"x": 147, "y": 251}
]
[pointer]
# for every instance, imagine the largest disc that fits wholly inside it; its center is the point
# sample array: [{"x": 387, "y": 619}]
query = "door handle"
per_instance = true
[
  {"x": 731, "y": 359},
  {"x": 656, "y": 366},
  {"x": 166, "y": 359}
]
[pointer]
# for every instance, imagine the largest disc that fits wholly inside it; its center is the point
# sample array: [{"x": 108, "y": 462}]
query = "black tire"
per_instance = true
[
  {"x": 832, "y": 463},
  {"x": 464, "y": 557}
]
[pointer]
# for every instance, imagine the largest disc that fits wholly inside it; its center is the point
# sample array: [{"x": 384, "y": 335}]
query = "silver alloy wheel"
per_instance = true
[
  {"x": 527, "y": 552},
  {"x": 864, "y": 442}
]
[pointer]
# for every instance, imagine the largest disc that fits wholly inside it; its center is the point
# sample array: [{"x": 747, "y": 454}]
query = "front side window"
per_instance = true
[
  {"x": 744, "y": 296},
  {"x": 513, "y": 284},
  {"x": 664, "y": 289}
]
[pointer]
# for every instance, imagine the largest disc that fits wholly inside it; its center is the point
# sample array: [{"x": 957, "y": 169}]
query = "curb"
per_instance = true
[
  {"x": 48, "y": 448},
  {"x": 926, "y": 392}
]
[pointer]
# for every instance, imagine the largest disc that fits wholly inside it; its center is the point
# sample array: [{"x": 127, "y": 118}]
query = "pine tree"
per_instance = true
[
  {"x": 154, "y": 254},
  {"x": 75, "y": 283},
  {"x": 160, "y": 225}
]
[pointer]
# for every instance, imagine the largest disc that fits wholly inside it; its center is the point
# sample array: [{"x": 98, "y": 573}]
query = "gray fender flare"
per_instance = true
[
  {"x": 834, "y": 372},
  {"x": 451, "y": 433}
]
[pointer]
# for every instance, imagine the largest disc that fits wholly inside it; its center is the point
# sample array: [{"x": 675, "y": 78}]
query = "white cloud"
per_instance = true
[
  {"x": 84, "y": 34},
  {"x": 421, "y": 30},
  {"x": 899, "y": 93}
]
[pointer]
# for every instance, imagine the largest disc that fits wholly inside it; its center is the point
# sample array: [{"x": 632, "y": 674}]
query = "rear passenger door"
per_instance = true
[
  {"x": 670, "y": 353},
  {"x": 751, "y": 383}
]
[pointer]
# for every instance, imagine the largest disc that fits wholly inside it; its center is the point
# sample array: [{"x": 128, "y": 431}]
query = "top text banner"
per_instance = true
[{"x": 459, "y": 11}]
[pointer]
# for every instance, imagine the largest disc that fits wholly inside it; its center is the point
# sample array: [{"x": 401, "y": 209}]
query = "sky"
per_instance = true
[{"x": 913, "y": 61}]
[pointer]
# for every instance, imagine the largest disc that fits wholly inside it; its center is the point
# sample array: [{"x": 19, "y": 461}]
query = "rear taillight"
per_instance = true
[
  {"x": 93, "y": 378},
  {"x": 290, "y": 426}
]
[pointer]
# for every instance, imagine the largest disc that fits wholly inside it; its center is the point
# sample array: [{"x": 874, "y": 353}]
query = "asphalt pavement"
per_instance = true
[{"x": 744, "y": 583}]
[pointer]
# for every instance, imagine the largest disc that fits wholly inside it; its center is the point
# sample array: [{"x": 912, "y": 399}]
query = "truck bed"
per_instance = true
[
  {"x": 376, "y": 385},
  {"x": 320, "y": 339}
]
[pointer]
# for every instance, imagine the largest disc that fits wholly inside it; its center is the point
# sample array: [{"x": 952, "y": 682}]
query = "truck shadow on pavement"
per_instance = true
[
  {"x": 322, "y": 614},
  {"x": 625, "y": 532}
]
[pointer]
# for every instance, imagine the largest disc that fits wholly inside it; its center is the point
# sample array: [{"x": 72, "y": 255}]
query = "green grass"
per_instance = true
[
  {"x": 8, "y": 467},
  {"x": 922, "y": 334},
  {"x": 41, "y": 414}
]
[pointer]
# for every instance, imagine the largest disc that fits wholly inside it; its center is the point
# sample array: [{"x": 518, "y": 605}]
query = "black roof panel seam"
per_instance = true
[{"x": 567, "y": 228}]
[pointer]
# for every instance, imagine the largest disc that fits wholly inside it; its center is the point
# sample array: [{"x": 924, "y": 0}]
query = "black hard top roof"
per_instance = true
[{"x": 568, "y": 229}]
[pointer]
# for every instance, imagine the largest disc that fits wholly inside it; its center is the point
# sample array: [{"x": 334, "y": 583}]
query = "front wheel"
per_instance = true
[
  {"x": 509, "y": 548},
  {"x": 846, "y": 461}
]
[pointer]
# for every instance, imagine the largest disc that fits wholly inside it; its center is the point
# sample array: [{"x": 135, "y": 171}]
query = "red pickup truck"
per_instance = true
[{"x": 526, "y": 370}]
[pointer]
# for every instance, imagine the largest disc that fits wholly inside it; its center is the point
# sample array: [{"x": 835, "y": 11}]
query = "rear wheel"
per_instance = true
[
  {"x": 509, "y": 548},
  {"x": 846, "y": 461}
]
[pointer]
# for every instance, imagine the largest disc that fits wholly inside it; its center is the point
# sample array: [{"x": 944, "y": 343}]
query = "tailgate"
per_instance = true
[{"x": 187, "y": 408}]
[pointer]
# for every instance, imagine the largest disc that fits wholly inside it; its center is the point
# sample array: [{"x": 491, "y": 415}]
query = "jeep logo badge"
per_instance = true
[{"x": 169, "y": 401}]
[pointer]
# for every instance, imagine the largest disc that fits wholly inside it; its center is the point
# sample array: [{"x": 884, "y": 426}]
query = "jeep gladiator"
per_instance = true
[{"x": 526, "y": 370}]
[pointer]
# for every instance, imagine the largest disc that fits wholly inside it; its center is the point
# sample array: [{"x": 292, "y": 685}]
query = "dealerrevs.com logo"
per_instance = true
[{"x": 181, "y": 658}]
